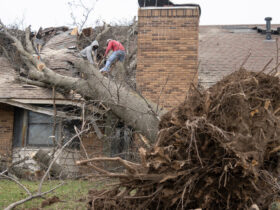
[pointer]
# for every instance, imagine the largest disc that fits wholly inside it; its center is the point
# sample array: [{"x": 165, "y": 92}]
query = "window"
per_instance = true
[
  {"x": 34, "y": 129},
  {"x": 40, "y": 128}
]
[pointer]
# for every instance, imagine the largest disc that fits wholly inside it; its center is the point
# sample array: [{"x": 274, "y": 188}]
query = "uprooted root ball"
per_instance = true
[{"x": 218, "y": 150}]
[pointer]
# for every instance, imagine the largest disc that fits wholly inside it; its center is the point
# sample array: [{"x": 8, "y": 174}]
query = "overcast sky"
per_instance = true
[{"x": 48, "y": 13}]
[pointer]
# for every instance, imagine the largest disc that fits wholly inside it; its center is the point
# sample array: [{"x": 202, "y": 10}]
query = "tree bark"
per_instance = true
[{"x": 44, "y": 160}]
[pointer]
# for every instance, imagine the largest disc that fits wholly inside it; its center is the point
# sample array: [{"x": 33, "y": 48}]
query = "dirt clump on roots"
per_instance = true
[{"x": 217, "y": 150}]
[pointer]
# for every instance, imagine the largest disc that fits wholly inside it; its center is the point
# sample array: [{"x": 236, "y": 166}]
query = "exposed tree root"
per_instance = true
[{"x": 218, "y": 150}]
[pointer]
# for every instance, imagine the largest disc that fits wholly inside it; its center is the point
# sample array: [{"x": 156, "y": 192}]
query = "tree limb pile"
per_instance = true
[{"x": 218, "y": 150}]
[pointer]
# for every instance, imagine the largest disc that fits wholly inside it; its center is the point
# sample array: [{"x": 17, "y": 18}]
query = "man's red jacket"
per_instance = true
[{"x": 115, "y": 46}]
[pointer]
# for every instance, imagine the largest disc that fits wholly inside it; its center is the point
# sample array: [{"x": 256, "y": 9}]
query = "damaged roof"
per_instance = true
[
  {"x": 55, "y": 39},
  {"x": 10, "y": 88},
  {"x": 223, "y": 49}
]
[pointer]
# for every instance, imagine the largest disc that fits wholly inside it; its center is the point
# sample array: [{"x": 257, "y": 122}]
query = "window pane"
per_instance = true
[
  {"x": 39, "y": 134},
  {"x": 39, "y": 118}
]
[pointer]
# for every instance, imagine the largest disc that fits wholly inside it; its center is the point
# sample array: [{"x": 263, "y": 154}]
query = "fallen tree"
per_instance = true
[{"x": 127, "y": 104}]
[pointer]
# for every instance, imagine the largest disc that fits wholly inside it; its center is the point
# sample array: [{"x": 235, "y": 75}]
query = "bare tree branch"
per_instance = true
[
  {"x": 56, "y": 157},
  {"x": 37, "y": 195},
  {"x": 76, "y": 6},
  {"x": 29, "y": 45},
  {"x": 21, "y": 185}
]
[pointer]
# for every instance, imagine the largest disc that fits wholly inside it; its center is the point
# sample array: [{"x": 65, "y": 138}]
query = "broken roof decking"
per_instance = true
[
  {"x": 11, "y": 88},
  {"x": 222, "y": 50},
  {"x": 58, "y": 53}
]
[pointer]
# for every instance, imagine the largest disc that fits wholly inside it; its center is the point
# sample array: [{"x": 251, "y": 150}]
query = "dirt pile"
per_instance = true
[{"x": 218, "y": 150}]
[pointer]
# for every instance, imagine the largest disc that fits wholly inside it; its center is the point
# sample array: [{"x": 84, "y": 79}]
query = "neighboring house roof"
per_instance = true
[{"x": 222, "y": 50}]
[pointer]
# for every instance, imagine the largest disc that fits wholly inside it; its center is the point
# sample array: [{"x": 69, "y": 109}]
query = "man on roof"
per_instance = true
[
  {"x": 117, "y": 55},
  {"x": 90, "y": 52}
]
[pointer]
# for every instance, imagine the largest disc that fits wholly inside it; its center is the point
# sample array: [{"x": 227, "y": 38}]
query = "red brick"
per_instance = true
[{"x": 6, "y": 129}]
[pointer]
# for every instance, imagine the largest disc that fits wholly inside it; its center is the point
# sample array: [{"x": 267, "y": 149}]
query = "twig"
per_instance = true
[
  {"x": 86, "y": 11},
  {"x": 275, "y": 68},
  {"x": 81, "y": 142},
  {"x": 183, "y": 195},
  {"x": 276, "y": 149},
  {"x": 14, "y": 164},
  {"x": 31, "y": 82},
  {"x": 196, "y": 89},
  {"x": 56, "y": 157},
  {"x": 97, "y": 130},
  {"x": 29, "y": 46},
  {"x": 277, "y": 54},
  {"x": 163, "y": 87},
  {"x": 54, "y": 117},
  {"x": 245, "y": 60},
  {"x": 144, "y": 197},
  {"x": 107, "y": 173},
  {"x": 192, "y": 125},
  {"x": 264, "y": 68},
  {"x": 13, "y": 205},
  {"x": 149, "y": 106},
  {"x": 144, "y": 139},
  {"x": 130, "y": 166},
  {"x": 277, "y": 59},
  {"x": 21, "y": 185},
  {"x": 192, "y": 84},
  {"x": 83, "y": 116}
]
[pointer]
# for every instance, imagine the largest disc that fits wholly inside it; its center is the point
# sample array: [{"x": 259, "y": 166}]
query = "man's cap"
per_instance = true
[{"x": 95, "y": 43}]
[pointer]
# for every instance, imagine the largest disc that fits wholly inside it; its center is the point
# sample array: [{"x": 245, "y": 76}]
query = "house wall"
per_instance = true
[
  {"x": 6, "y": 129},
  {"x": 92, "y": 146},
  {"x": 167, "y": 57}
]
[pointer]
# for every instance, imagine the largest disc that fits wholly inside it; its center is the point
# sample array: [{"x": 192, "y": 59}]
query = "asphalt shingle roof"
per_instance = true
[
  {"x": 222, "y": 50},
  {"x": 10, "y": 88}
]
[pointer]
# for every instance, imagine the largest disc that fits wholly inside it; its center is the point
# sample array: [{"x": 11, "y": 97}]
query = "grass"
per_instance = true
[{"x": 73, "y": 194}]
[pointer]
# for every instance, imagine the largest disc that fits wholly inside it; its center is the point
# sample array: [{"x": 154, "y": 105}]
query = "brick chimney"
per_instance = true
[{"x": 167, "y": 57}]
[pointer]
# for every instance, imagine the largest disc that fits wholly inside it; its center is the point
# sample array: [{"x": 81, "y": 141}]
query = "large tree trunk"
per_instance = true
[{"x": 127, "y": 104}]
